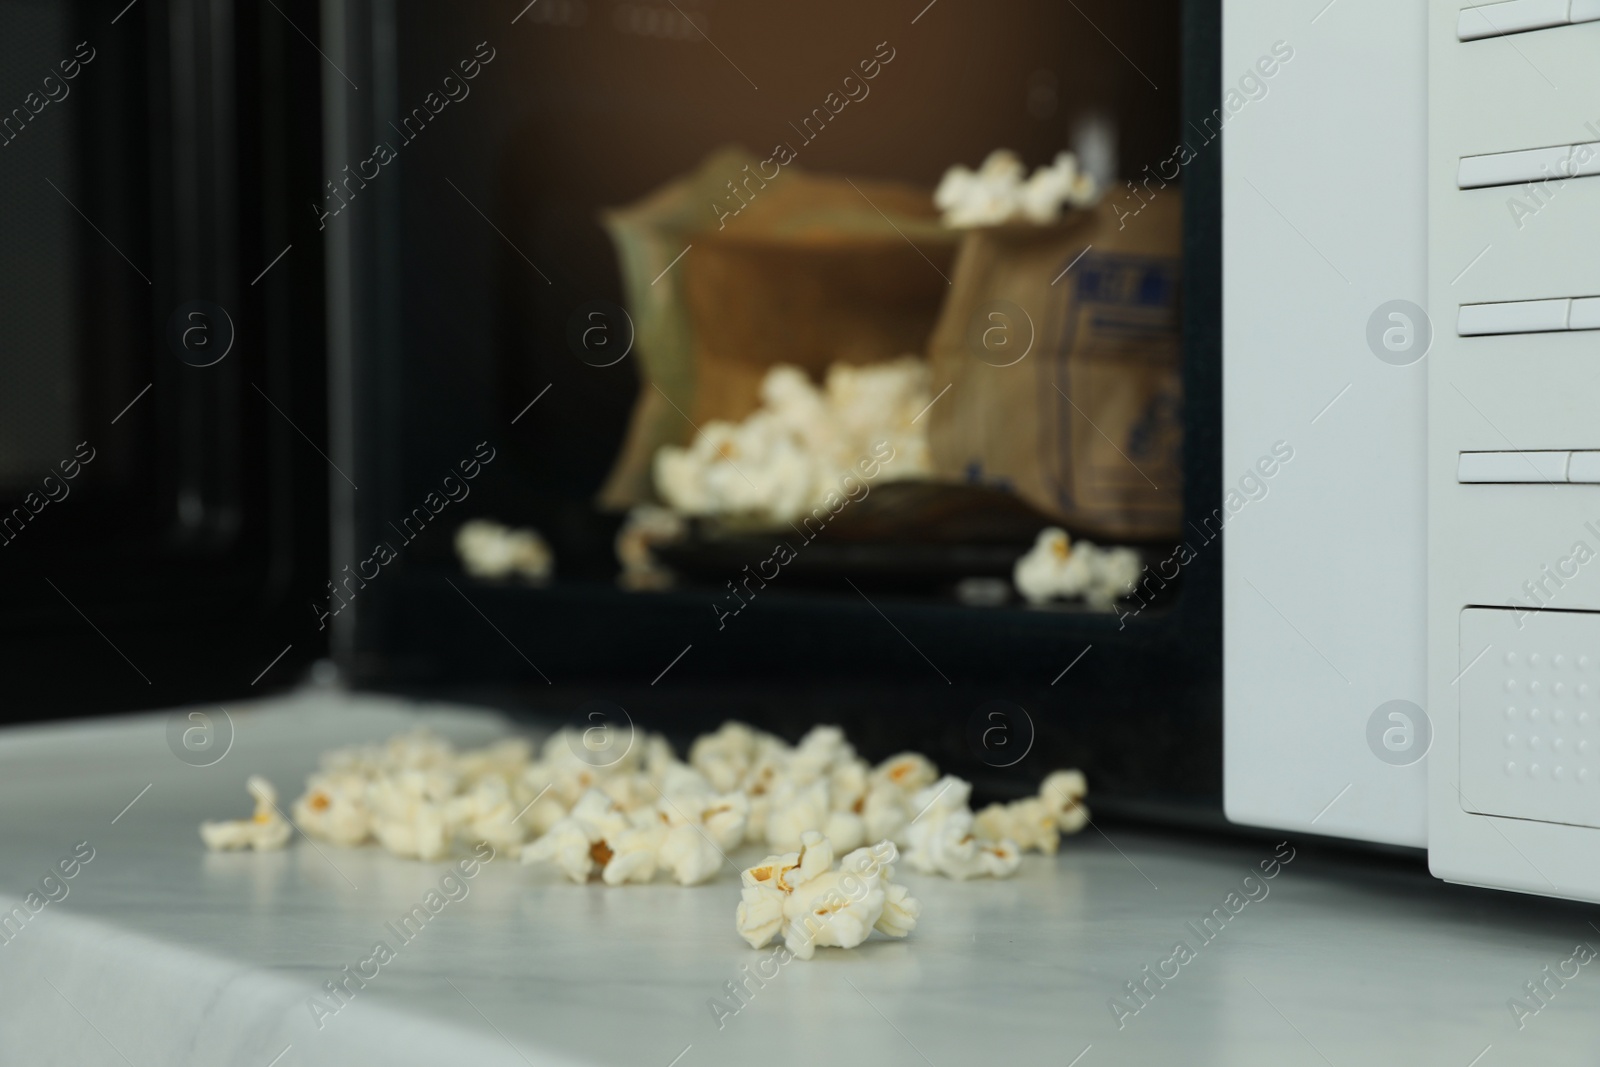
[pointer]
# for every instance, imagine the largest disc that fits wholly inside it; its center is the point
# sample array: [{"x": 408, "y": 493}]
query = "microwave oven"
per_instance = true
[
  {"x": 1375, "y": 624},
  {"x": 1408, "y": 625}
]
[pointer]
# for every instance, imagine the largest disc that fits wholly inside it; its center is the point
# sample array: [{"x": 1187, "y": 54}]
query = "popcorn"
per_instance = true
[
  {"x": 909, "y": 772},
  {"x": 646, "y": 527},
  {"x": 981, "y": 199},
  {"x": 752, "y": 468},
  {"x": 503, "y": 759},
  {"x": 801, "y": 895},
  {"x": 998, "y": 859},
  {"x": 821, "y": 913},
  {"x": 1064, "y": 791},
  {"x": 635, "y": 855},
  {"x": 490, "y": 550},
  {"x": 877, "y": 402},
  {"x": 884, "y": 813},
  {"x": 1055, "y": 567},
  {"x": 689, "y": 855},
  {"x": 698, "y": 838},
  {"x": 417, "y": 751},
  {"x": 799, "y": 408},
  {"x": 794, "y": 453},
  {"x": 944, "y": 838},
  {"x": 759, "y": 915},
  {"x": 726, "y": 755},
  {"x": 487, "y": 813},
  {"x": 822, "y": 787},
  {"x": 796, "y": 809},
  {"x": 725, "y": 819},
  {"x": 1029, "y": 823},
  {"x": 1059, "y": 184},
  {"x": 567, "y": 775},
  {"x": 953, "y": 849},
  {"x": 999, "y": 192},
  {"x": 334, "y": 808},
  {"x": 1038, "y": 822},
  {"x": 900, "y": 909},
  {"x": 590, "y": 840},
  {"x": 821, "y": 751},
  {"x": 645, "y": 813},
  {"x": 264, "y": 831},
  {"x": 408, "y": 815}
]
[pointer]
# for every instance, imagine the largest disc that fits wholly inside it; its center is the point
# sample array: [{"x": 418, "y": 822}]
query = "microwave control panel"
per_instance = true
[{"x": 1513, "y": 425}]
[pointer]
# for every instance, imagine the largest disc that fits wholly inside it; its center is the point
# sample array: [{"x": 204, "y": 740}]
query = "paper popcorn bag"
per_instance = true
[
  {"x": 1061, "y": 349},
  {"x": 817, "y": 270},
  {"x": 648, "y": 235},
  {"x": 793, "y": 267}
]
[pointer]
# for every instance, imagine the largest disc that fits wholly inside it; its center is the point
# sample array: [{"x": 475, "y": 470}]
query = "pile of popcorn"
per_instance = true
[
  {"x": 1002, "y": 191},
  {"x": 628, "y": 817},
  {"x": 1055, "y": 567},
  {"x": 489, "y": 550},
  {"x": 798, "y": 449}
]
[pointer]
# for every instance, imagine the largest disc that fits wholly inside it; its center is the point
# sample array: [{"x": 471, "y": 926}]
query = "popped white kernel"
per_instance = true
[
  {"x": 801, "y": 895},
  {"x": 1063, "y": 792},
  {"x": 584, "y": 843},
  {"x": 790, "y": 455},
  {"x": 490, "y": 550},
  {"x": 944, "y": 838},
  {"x": 334, "y": 808},
  {"x": 1056, "y": 568},
  {"x": 267, "y": 829},
  {"x": 1001, "y": 191}
]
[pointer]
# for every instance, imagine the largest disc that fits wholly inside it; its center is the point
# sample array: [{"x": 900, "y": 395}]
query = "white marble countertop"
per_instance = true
[{"x": 161, "y": 954}]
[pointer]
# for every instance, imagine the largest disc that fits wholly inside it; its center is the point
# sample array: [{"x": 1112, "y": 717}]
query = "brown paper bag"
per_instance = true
[
  {"x": 648, "y": 235},
  {"x": 1062, "y": 351},
  {"x": 816, "y": 270},
  {"x": 808, "y": 270}
]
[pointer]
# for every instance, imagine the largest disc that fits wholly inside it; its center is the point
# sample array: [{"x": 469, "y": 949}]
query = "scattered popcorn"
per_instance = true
[
  {"x": 796, "y": 809},
  {"x": 1063, "y": 792},
  {"x": 873, "y": 403},
  {"x": 796, "y": 452},
  {"x": 595, "y": 841},
  {"x": 263, "y": 831},
  {"x": 490, "y": 550},
  {"x": 909, "y": 771},
  {"x": 1029, "y": 823},
  {"x": 408, "y": 814},
  {"x": 334, "y": 808},
  {"x": 1056, "y": 567},
  {"x": 646, "y": 527},
  {"x": 800, "y": 895},
  {"x": 635, "y": 813},
  {"x": 504, "y": 759},
  {"x": 739, "y": 757},
  {"x": 1000, "y": 192},
  {"x": 486, "y": 813},
  {"x": 702, "y": 829},
  {"x": 944, "y": 839}
]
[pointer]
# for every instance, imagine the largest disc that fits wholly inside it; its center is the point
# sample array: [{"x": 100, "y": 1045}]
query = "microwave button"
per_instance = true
[
  {"x": 1512, "y": 467},
  {"x": 1585, "y": 11},
  {"x": 1517, "y": 316},
  {"x": 1586, "y": 156},
  {"x": 1585, "y": 314},
  {"x": 1514, "y": 168},
  {"x": 1510, "y": 16},
  {"x": 1584, "y": 468}
]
